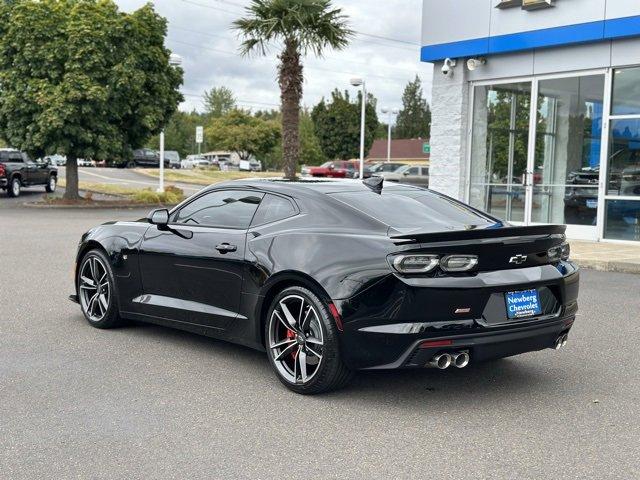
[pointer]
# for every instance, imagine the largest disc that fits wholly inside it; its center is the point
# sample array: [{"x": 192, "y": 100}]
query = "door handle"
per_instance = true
[{"x": 226, "y": 248}]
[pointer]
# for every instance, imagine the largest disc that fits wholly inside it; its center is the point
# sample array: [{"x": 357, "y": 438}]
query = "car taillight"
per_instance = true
[
  {"x": 424, "y": 263},
  {"x": 415, "y": 263},
  {"x": 458, "y": 263},
  {"x": 3, "y": 172},
  {"x": 559, "y": 252}
]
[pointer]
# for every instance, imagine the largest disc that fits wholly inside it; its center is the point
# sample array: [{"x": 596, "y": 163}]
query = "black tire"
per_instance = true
[
  {"x": 51, "y": 185},
  {"x": 331, "y": 373},
  {"x": 131, "y": 164},
  {"x": 111, "y": 317},
  {"x": 13, "y": 190}
]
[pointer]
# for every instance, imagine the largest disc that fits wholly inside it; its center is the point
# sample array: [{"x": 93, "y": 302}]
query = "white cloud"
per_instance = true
[{"x": 199, "y": 31}]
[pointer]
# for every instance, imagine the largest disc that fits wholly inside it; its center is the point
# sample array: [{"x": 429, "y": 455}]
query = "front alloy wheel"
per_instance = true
[
  {"x": 96, "y": 291},
  {"x": 302, "y": 343}
]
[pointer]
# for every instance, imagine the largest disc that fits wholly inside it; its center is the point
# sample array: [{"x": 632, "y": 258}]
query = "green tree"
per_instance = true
[
  {"x": 301, "y": 27},
  {"x": 414, "y": 119},
  {"x": 337, "y": 125},
  {"x": 80, "y": 78},
  {"x": 310, "y": 150},
  {"x": 219, "y": 101},
  {"x": 244, "y": 134}
]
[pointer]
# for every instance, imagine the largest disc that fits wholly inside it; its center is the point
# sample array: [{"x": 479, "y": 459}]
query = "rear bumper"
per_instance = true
[
  {"x": 376, "y": 351},
  {"x": 385, "y": 326},
  {"x": 487, "y": 346}
]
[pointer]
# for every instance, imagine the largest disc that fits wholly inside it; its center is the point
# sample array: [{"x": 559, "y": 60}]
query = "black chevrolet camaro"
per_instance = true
[{"x": 329, "y": 277}]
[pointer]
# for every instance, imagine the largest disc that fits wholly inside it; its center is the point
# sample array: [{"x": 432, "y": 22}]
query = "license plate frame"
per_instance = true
[{"x": 522, "y": 304}]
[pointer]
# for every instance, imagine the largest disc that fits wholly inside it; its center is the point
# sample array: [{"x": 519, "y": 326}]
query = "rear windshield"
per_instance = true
[{"x": 413, "y": 209}]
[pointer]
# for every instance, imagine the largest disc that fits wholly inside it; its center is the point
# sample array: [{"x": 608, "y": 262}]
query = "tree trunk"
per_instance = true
[
  {"x": 290, "y": 79},
  {"x": 71, "y": 178}
]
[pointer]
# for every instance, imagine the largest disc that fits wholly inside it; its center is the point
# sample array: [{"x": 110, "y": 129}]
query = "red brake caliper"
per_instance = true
[{"x": 292, "y": 335}]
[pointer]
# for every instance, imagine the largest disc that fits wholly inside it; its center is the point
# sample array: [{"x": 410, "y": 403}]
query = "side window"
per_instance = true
[
  {"x": 414, "y": 171},
  {"x": 273, "y": 208},
  {"x": 225, "y": 209},
  {"x": 15, "y": 157},
  {"x": 425, "y": 172}
]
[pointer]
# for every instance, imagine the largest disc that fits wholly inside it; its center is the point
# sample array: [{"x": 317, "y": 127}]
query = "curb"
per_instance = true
[{"x": 610, "y": 266}]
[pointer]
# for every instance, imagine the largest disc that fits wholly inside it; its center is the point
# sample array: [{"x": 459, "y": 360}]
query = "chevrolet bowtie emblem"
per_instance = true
[
  {"x": 525, "y": 4},
  {"x": 518, "y": 259}
]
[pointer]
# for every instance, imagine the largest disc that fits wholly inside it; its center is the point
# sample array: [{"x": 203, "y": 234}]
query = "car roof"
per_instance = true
[{"x": 309, "y": 186}]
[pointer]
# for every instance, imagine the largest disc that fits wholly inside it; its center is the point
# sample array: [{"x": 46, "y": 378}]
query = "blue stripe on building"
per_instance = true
[{"x": 549, "y": 37}]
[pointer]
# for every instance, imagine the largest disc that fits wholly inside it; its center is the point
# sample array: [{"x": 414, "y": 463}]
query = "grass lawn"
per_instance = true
[
  {"x": 172, "y": 195},
  {"x": 201, "y": 176}
]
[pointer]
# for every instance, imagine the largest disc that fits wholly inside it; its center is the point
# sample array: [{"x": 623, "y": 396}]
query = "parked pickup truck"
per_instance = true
[{"x": 17, "y": 170}]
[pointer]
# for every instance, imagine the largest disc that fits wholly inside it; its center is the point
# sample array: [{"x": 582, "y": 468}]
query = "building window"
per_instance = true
[
  {"x": 567, "y": 156},
  {"x": 622, "y": 210}
]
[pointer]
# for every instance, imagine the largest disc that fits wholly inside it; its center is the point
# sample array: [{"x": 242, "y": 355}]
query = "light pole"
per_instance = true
[
  {"x": 359, "y": 82},
  {"x": 175, "y": 60},
  {"x": 390, "y": 111}
]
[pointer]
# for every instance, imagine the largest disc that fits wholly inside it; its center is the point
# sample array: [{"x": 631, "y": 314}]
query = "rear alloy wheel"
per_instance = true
[
  {"x": 96, "y": 291},
  {"x": 51, "y": 184},
  {"x": 302, "y": 343},
  {"x": 14, "y": 188}
]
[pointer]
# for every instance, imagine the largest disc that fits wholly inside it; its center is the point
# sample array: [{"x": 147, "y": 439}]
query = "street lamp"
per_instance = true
[
  {"x": 175, "y": 60},
  {"x": 390, "y": 111},
  {"x": 359, "y": 82}
]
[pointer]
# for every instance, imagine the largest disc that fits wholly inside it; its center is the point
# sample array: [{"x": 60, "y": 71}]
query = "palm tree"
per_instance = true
[{"x": 300, "y": 26}]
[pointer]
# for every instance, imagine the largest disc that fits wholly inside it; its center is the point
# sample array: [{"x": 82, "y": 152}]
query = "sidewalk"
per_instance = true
[{"x": 610, "y": 257}]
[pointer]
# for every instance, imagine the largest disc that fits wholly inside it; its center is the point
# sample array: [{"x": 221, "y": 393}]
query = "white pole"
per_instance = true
[
  {"x": 161, "y": 186},
  {"x": 389, "y": 140},
  {"x": 362, "y": 124}
]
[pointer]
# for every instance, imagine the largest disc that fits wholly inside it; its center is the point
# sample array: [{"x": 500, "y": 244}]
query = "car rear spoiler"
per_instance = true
[{"x": 480, "y": 233}]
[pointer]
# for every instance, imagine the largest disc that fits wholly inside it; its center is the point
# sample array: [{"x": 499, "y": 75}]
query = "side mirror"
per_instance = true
[
  {"x": 406, "y": 173},
  {"x": 159, "y": 217}
]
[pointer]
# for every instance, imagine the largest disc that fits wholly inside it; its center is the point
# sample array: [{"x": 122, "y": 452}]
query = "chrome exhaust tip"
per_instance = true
[
  {"x": 460, "y": 359},
  {"x": 561, "y": 341},
  {"x": 441, "y": 361}
]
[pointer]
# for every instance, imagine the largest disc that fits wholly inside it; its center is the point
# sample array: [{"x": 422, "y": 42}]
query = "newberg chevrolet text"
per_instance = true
[{"x": 329, "y": 277}]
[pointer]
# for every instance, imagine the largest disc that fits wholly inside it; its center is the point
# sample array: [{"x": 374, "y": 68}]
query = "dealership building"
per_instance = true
[{"x": 536, "y": 110}]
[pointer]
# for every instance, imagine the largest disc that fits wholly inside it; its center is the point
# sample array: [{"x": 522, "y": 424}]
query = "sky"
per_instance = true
[{"x": 385, "y": 52}]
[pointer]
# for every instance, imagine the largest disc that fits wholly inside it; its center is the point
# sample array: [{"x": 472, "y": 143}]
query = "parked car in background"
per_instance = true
[
  {"x": 409, "y": 174},
  {"x": 83, "y": 162},
  {"x": 250, "y": 165},
  {"x": 173, "y": 158},
  {"x": 195, "y": 161},
  {"x": 146, "y": 157},
  {"x": 334, "y": 169},
  {"x": 56, "y": 160},
  {"x": 17, "y": 170},
  {"x": 581, "y": 196},
  {"x": 375, "y": 169}
]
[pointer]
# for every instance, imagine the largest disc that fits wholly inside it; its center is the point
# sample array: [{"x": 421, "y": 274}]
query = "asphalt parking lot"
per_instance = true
[{"x": 149, "y": 402}]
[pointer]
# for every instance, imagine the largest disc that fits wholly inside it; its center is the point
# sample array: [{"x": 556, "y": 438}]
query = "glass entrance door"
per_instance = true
[
  {"x": 566, "y": 166},
  {"x": 556, "y": 180},
  {"x": 499, "y": 149}
]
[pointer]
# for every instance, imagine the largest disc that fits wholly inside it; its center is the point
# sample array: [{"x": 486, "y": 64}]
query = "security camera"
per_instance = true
[{"x": 447, "y": 67}]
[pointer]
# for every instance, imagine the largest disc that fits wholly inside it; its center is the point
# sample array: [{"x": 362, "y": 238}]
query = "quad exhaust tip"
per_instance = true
[
  {"x": 443, "y": 361},
  {"x": 561, "y": 341}
]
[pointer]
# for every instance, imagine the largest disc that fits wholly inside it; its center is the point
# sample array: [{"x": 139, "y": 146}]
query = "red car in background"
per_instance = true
[{"x": 334, "y": 169}]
